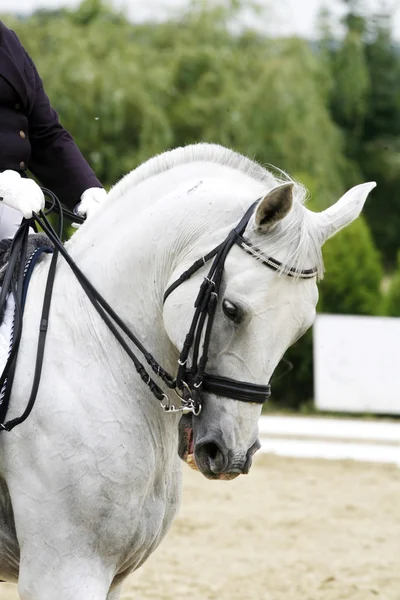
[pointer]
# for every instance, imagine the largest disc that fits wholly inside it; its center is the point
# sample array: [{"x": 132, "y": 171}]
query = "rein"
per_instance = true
[{"x": 189, "y": 380}]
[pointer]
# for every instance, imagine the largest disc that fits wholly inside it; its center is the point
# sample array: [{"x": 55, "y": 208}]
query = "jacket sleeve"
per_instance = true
[{"x": 56, "y": 160}]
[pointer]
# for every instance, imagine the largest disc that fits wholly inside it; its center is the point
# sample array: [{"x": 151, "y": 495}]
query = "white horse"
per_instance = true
[{"x": 90, "y": 482}]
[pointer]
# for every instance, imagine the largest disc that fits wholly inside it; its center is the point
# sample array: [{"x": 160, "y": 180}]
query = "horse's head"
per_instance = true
[{"x": 260, "y": 312}]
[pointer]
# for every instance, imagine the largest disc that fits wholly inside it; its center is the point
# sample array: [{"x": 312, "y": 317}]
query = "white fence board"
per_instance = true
[
  {"x": 332, "y": 450},
  {"x": 357, "y": 364},
  {"x": 331, "y": 439},
  {"x": 351, "y": 429}
]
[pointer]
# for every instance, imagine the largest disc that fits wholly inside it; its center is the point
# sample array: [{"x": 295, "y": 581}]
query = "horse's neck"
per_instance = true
[
  {"x": 141, "y": 236},
  {"x": 132, "y": 249},
  {"x": 128, "y": 253}
]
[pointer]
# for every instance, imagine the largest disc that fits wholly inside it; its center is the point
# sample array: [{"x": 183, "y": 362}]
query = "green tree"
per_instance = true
[
  {"x": 380, "y": 150},
  {"x": 365, "y": 103},
  {"x": 353, "y": 273},
  {"x": 352, "y": 85}
]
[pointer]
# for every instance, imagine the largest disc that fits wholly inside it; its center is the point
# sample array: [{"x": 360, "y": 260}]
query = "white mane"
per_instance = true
[{"x": 299, "y": 233}]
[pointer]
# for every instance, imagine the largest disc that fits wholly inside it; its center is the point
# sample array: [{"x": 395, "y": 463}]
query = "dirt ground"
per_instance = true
[{"x": 291, "y": 530}]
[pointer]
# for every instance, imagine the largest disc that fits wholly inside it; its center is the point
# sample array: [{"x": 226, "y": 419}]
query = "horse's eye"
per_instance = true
[{"x": 232, "y": 311}]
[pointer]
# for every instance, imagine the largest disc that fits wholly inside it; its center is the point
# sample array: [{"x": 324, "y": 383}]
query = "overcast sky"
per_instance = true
[{"x": 286, "y": 16}]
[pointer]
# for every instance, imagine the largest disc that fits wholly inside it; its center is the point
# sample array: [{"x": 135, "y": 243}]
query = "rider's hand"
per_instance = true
[
  {"x": 91, "y": 200},
  {"x": 20, "y": 193}
]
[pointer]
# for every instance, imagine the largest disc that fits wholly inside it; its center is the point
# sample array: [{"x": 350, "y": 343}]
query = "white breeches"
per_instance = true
[{"x": 10, "y": 220}]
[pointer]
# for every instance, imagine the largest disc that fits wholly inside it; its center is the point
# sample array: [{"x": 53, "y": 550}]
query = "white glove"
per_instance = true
[
  {"x": 20, "y": 193},
  {"x": 91, "y": 201}
]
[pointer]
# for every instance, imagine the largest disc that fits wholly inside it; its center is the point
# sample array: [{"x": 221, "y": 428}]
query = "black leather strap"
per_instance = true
[
  {"x": 191, "y": 271},
  {"x": 271, "y": 262},
  {"x": 236, "y": 390},
  {"x": 198, "y": 340}
]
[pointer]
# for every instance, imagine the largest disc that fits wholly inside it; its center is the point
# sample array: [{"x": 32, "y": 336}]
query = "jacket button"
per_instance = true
[
  {"x": 17, "y": 106},
  {"x": 22, "y": 134},
  {"x": 22, "y": 164}
]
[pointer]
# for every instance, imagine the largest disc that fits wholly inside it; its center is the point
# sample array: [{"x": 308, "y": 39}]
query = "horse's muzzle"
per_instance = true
[{"x": 215, "y": 461}]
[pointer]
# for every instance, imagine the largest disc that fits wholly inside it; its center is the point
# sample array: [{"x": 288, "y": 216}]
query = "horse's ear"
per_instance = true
[
  {"x": 274, "y": 207},
  {"x": 344, "y": 212}
]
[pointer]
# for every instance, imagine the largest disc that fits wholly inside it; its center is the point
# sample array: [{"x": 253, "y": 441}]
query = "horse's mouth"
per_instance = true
[{"x": 186, "y": 441}]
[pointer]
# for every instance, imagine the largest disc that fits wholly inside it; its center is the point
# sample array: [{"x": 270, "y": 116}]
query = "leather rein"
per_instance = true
[{"x": 190, "y": 380}]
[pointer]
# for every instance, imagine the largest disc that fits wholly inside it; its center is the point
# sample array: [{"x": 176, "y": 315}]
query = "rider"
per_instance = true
[{"x": 31, "y": 137}]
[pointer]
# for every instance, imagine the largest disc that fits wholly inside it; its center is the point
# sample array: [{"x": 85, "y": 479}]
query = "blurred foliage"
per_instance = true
[
  {"x": 326, "y": 112},
  {"x": 391, "y": 303},
  {"x": 365, "y": 103},
  {"x": 128, "y": 91},
  {"x": 353, "y": 273}
]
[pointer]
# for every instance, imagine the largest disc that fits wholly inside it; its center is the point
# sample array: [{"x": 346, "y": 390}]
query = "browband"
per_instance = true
[
  {"x": 250, "y": 249},
  {"x": 273, "y": 263}
]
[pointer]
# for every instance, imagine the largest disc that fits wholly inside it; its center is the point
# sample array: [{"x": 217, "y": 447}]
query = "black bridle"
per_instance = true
[
  {"x": 197, "y": 340},
  {"x": 189, "y": 380}
]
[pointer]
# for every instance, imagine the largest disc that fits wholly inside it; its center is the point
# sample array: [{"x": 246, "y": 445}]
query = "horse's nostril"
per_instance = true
[
  {"x": 212, "y": 456},
  {"x": 211, "y": 450}
]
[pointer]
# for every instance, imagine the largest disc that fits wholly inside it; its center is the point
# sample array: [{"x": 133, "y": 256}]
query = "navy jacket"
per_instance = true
[{"x": 31, "y": 136}]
